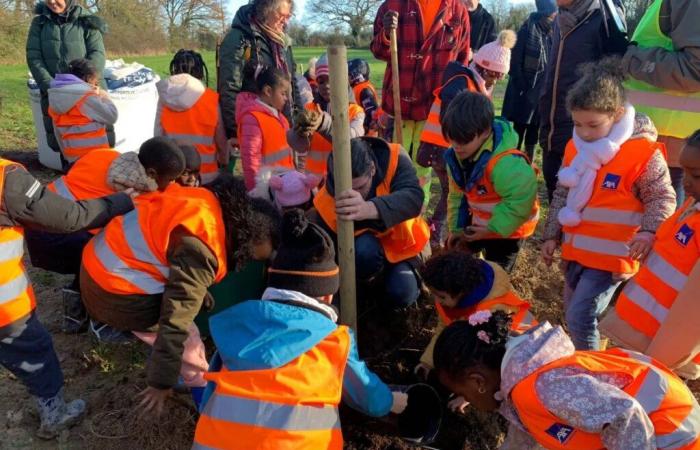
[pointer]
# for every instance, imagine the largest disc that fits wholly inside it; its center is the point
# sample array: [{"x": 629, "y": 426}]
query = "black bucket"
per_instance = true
[{"x": 420, "y": 422}]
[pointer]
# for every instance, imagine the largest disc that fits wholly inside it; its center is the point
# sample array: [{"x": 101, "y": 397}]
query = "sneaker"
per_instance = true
[
  {"x": 75, "y": 319},
  {"x": 56, "y": 415},
  {"x": 108, "y": 335}
]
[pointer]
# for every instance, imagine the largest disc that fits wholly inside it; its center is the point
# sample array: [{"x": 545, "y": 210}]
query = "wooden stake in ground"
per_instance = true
[
  {"x": 342, "y": 176},
  {"x": 395, "y": 88}
]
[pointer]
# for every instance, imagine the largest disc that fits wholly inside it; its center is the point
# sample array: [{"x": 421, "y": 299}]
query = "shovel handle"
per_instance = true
[{"x": 395, "y": 87}]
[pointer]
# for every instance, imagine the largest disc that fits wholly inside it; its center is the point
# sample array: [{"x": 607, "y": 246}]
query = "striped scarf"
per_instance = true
[{"x": 278, "y": 44}]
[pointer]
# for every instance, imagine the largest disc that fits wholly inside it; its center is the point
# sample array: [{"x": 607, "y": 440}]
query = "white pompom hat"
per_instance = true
[{"x": 495, "y": 55}]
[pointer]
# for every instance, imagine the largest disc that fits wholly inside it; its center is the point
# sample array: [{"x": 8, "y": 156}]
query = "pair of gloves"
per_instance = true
[{"x": 307, "y": 121}]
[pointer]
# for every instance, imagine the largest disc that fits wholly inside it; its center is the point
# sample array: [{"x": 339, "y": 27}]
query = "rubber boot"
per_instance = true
[
  {"x": 75, "y": 318},
  {"x": 109, "y": 335},
  {"x": 56, "y": 415}
]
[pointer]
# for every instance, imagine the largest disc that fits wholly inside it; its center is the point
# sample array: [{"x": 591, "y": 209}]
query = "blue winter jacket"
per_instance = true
[{"x": 264, "y": 334}]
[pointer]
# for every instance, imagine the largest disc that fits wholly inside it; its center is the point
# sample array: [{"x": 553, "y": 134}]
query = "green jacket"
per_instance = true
[
  {"x": 55, "y": 40},
  {"x": 513, "y": 179},
  {"x": 244, "y": 44}
]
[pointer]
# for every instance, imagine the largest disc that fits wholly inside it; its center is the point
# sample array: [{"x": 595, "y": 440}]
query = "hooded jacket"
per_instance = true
[
  {"x": 66, "y": 90},
  {"x": 245, "y": 44},
  {"x": 594, "y": 402},
  {"x": 251, "y": 135},
  {"x": 269, "y": 333},
  {"x": 179, "y": 93},
  {"x": 483, "y": 28},
  {"x": 55, "y": 40}
]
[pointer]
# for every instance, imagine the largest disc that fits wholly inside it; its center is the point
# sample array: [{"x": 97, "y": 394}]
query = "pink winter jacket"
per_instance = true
[{"x": 250, "y": 136}]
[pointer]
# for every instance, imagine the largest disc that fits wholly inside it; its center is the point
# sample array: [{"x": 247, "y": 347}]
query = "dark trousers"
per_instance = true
[
  {"x": 400, "y": 281},
  {"x": 440, "y": 212},
  {"x": 26, "y": 350},
  {"x": 551, "y": 163},
  {"x": 677, "y": 183},
  {"x": 503, "y": 252},
  {"x": 528, "y": 134},
  {"x": 60, "y": 253}
]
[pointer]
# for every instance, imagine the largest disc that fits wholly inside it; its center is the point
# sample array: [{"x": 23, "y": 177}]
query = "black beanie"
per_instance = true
[
  {"x": 192, "y": 159},
  {"x": 305, "y": 260}
]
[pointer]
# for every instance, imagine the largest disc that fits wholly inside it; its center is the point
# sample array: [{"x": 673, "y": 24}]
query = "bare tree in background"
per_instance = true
[
  {"x": 356, "y": 15},
  {"x": 187, "y": 15}
]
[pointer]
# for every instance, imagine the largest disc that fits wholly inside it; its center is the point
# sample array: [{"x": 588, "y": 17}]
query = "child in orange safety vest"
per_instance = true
[
  {"x": 262, "y": 126},
  {"x": 282, "y": 363},
  {"x": 188, "y": 112},
  {"x": 364, "y": 94},
  {"x": 313, "y": 141},
  {"x": 655, "y": 294},
  {"x": 81, "y": 111},
  {"x": 558, "y": 398},
  {"x": 614, "y": 191}
]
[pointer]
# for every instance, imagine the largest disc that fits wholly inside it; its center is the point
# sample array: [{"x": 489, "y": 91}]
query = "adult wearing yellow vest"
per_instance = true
[
  {"x": 282, "y": 363},
  {"x": 559, "y": 398},
  {"x": 385, "y": 203},
  {"x": 150, "y": 269},
  {"x": 188, "y": 112},
  {"x": 311, "y": 137},
  {"x": 97, "y": 174},
  {"x": 26, "y": 349},
  {"x": 665, "y": 69},
  {"x": 639, "y": 320}
]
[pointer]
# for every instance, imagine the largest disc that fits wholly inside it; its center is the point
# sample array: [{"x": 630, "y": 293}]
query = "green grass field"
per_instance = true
[{"x": 17, "y": 127}]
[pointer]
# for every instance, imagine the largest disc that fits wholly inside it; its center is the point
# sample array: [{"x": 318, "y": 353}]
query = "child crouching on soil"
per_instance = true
[
  {"x": 561, "y": 398},
  {"x": 283, "y": 363},
  {"x": 492, "y": 201},
  {"x": 665, "y": 290},
  {"x": 614, "y": 191}
]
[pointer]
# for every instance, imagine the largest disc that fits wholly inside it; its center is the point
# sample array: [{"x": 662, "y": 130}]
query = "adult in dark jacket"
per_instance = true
[
  {"x": 582, "y": 32},
  {"x": 483, "y": 27},
  {"x": 527, "y": 65},
  {"x": 60, "y": 32},
  {"x": 372, "y": 161},
  {"x": 257, "y": 37},
  {"x": 26, "y": 349}
]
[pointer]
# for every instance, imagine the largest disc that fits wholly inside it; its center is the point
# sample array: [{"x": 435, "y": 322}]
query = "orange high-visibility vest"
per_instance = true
[
  {"x": 129, "y": 255},
  {"x": 197, "y": 127},
  {"x": 522, "y": 319},
  {"x": 647, "y": 298},
  {"x": 358, "y": 88},
  {"x": 673, "y": 410},
  {"x": 483, "y": 198},
  {"x": 16, "y": 293},
  {"x": 275, "y": 150},
  {"x": 400, "y": 242},
  {"x": 87, "y": 178},
  {"x": 320, "y": 147},
  {"x": 613, "y": 214},
  {"x": 293, "y": 407},
  {"x": 432, "y": 130},
  {"x": 77, "y": 134}
]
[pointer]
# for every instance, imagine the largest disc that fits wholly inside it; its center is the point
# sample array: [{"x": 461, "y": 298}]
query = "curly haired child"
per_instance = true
[{"x": 614, "y": 191}]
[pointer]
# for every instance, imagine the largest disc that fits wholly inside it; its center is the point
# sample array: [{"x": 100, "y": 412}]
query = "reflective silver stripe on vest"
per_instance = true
[
  {"x": 207, "y": 158},
  {"x": 208, "y": 177},
  {"x": 62, "y": 189},
  {"x": 433, "y": 128},
  {"x": 116, "y": 266},
  {"x": 665, "y": 271},
  {"x": 13, "y": 288},
  {"x": 687, "y": 432},
  {"x": 277, "y": 156},
  {"x": 612, "y": 216},
  {"x": 138, "y": 245},
  {"x": 317, "y": 155},
  {"x": 653, "y": 390},
  {"x": 78, "y": 142},
  {"x": 277, "y": 416},
  {"x": 597, "y": 245},
  {"x": 528, "y": 320},
  {"x": 10, "y": 250},
  {"x": 193, "y": 139},
  {"x": 684, "y": 103},
  {"x": 642, "y": 298},
  {"x": 87, "y": 128},
  {"x": 478, "y": 220},
  {"x": 197, "y": 446},
  {"x": 484, "y": 207}
]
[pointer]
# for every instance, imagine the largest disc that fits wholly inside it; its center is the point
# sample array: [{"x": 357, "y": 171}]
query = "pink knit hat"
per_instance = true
[
  {"x": 293, "y": 188},
  {"x": 495, "y": 55}
]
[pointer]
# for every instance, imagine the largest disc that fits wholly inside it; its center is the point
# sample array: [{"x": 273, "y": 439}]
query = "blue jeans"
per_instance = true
[
  {"x": 26, "y": 350},
  {"x": 400, "y": 281},
  {"x": 586, "y": 295}
]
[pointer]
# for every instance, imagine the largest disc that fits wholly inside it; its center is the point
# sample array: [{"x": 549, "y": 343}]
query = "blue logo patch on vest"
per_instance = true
[
  {"x": 562, "y": 433},
  {"x": 684, "y": 235},
  {"x": 611, "y": 181},
  {"x": 481, "y": 190}
]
